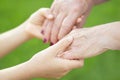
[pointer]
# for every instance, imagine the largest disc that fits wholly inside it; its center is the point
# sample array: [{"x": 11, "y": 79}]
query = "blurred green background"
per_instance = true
[{"x": 102, "y": 67}]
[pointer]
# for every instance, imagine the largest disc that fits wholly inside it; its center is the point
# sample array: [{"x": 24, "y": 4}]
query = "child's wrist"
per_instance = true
[
  {"x": 23, "y": 29},
  {"x": 19, "y": 72}
]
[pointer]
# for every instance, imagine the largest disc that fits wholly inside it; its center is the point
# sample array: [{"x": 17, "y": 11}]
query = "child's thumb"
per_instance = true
[{"x": 61, "y": 45}]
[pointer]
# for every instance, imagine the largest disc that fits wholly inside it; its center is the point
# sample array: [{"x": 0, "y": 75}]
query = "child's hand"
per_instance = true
[
  {"x": 29, "y": 29},
  {"x": 46, "y": 63},
  {"x": 34, "y": 23}
]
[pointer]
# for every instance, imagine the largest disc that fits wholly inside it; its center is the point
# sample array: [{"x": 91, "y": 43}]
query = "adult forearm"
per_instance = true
[
  {"x": 19, "y": 72},
  {"x": 12, "y": 39},
  {"x": 112, "y": 30}
]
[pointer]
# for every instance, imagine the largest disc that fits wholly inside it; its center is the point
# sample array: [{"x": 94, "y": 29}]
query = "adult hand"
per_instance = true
[
  {"x": 46, "y": 63},
  {"x": 90, "y": 42},
  {"x": 66, "y": 12}
]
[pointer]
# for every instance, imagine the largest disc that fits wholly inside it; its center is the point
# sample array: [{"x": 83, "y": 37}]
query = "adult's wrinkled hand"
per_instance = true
[
  {"x": 90, "y": 42},
  {"x": 66, "y": 13}
]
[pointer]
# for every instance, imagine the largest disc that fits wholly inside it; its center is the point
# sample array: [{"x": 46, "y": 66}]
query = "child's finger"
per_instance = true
[
  {"x": 72, "y": 64},
  {"x": 61, "y": 45},
  {"x": 76, "y": 64},
  {"x": 42, "y": 13},
  {"x": 46, "y": 13}
]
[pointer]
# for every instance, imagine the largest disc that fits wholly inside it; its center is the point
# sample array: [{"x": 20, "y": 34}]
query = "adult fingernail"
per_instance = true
[
  {"x": 45, "y": 40},
  {"x": 42, "y": 32},
  {"x": 50, "y": 16},
  {"x": 79, "y": 20},
  {"x": 51, "y": 44}
]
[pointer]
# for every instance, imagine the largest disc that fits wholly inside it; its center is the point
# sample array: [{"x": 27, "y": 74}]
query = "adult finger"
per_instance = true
[
  {"x": 67, "y": 25},
  {"x": 47, "y": 30},
  {"x": 47, "y": 33},
  {"x": 81, "y": 24},
  {"x": 56, "y": 27},
  {"x": 84, "y": 18}
]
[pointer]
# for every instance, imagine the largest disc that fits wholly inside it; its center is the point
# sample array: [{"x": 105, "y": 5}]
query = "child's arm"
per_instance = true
[
  {"x": 11, "y": 39},
  {"x": 29, "y": 29},
  {"x": 93, "y": 41},
  {"x": 44, "y": 64}
]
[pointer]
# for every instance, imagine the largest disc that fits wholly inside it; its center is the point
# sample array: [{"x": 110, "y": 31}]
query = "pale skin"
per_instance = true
[
  {"x": 44, "y": 64},
  {"x": 65, "y": 17},
  {"x": 89, "y": 42}
]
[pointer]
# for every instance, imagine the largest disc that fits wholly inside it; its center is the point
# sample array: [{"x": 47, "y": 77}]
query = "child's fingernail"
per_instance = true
[
  {"x": 42, "y": 32},
  {"x": 45, "y": 40},
  {"x": 51, "y": 44}
]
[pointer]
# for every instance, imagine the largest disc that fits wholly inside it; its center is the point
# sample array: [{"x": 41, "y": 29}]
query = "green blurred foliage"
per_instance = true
[{"x": 102, "y": 67}]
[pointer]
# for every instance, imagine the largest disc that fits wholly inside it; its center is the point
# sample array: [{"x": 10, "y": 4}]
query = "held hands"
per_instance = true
[
  {"x": 66, "y": 12},
  {"x": 46, "y": 63}
]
